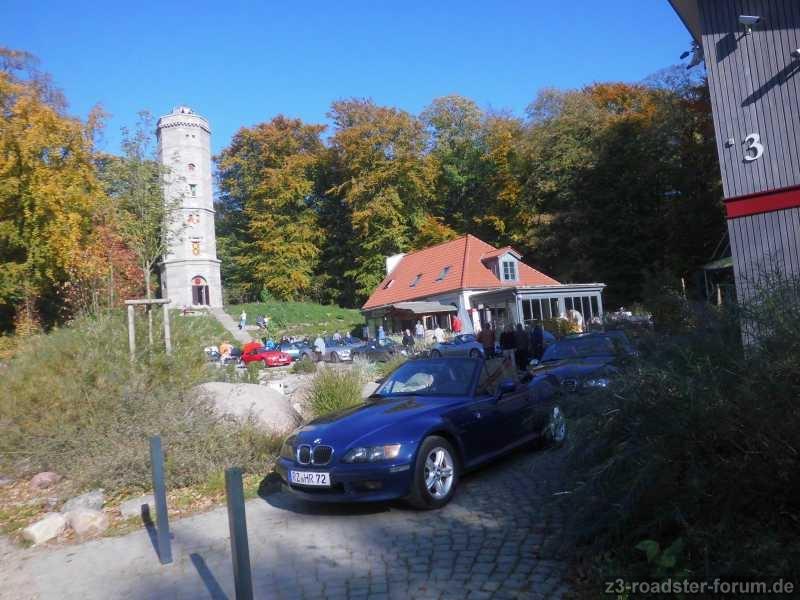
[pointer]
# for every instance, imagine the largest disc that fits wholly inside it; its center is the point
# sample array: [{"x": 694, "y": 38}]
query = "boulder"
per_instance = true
[
  {"x": 52, "y": 525},
  {"x": 93, "y": 500},
  {"x": 86, "y": 521},
  {"x": 133, "y": 507},
  {"x": 272, "y": 410},
  {"x": 45, "y": 479}
]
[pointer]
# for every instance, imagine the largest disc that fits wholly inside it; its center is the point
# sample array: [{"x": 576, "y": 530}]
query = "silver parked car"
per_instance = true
[
  {"x": 461, "y": 345},
  {"x": 341, "y": 350}
]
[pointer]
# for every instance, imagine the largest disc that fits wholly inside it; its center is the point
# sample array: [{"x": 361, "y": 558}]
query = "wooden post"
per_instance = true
[
  {"x": 160, "y": 494},
  {"x": 167, "y": 337},
  {"x": 237, "y": 522},
  {"x": 131, "y": 331}
]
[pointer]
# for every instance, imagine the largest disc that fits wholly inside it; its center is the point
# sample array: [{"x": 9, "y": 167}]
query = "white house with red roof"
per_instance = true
[{"x": 478, "y": 282}]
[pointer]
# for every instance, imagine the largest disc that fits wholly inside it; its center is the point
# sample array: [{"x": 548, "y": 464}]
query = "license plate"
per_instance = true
[{"x": 314, "y": 478}]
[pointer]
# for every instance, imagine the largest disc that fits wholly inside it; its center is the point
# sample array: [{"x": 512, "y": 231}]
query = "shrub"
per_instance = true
[
  {"x": 74, "y": 402},
  {"x": 691, "y": 465},
  {"x": 304, "y": 366},
  {"x": 334, "y": 389}
]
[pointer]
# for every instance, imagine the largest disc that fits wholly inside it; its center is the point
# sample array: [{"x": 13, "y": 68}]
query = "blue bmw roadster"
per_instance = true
[{"x": 429, "y": 421}]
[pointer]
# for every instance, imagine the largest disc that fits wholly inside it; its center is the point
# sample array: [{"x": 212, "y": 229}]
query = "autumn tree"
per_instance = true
[
  {"x": 267, "y": 179},
  {"x": 384, "y": 178},
  {"x": 48, "y": 190}
]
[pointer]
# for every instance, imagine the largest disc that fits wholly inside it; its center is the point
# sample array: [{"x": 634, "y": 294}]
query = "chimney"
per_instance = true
[{"x": 393, "y": 261}]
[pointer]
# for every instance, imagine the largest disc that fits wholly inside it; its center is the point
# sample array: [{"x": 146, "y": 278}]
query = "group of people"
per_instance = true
[{"x": 519, "y": 344}]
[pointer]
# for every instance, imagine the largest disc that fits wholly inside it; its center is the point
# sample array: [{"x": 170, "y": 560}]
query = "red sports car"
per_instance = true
[{"x": 270, "y": 358}]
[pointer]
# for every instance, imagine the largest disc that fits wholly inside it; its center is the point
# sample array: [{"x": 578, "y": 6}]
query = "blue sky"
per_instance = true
[{"x": 240, "y": 63}]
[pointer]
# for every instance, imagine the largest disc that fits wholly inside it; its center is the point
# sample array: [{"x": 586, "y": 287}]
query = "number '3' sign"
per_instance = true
[{"x": 753, "y": 147}]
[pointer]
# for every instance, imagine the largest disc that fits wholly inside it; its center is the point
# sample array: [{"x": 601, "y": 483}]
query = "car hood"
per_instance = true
[{"x": 347, "y": 427}]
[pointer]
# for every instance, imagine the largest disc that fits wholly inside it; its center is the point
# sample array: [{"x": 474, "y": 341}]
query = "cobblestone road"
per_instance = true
[{"x": 501, "y": 537}]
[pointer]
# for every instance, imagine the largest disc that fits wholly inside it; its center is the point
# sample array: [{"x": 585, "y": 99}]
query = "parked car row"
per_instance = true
[{"x": 435, "y": 418}]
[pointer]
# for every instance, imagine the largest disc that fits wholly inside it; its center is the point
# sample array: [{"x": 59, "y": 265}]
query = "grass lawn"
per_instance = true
[{"x": 300, "y": 318}]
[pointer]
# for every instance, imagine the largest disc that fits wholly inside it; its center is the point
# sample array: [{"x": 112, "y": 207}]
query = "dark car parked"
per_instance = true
[
  {"x": 430, "y": 421},
  {"x": 581, "y": 362},
  {"x": 379, "y": 351}
]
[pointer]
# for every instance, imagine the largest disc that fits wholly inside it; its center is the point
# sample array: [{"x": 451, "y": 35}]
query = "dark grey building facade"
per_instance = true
[{"x": 752, "y": 56}]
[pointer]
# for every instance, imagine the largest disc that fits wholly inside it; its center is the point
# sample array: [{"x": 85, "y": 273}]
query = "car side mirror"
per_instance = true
[{"x": 506, "y": 387}]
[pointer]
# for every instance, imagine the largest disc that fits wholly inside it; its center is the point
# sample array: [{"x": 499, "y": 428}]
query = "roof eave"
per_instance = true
[{"x": 689, "y": 12}]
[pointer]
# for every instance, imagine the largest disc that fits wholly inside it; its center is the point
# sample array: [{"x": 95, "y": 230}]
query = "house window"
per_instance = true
[
  {"x": 415, "y": 281},
  {"x": 388, "y": 284},
  {"x": 193, "y": 189},
  {"x": 509, "y": 270},
  {"x": 443, "y": 273}
]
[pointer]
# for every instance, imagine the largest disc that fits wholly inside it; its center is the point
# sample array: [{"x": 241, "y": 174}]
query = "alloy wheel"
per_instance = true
[
  {"x": 439, "y": 472},
  {"x": 557, "y": 427}
]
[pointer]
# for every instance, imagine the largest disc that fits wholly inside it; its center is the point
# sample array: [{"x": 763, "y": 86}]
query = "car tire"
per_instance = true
[
  {"x": 474, "y": 353},
  {"x": 428, "y": 490},
  {"x": 334, "y": 357},
  {"x": 435, "y": 354}
]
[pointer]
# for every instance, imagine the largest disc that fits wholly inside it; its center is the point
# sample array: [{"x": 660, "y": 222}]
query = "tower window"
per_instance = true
[
  {"x": 193, "y": 189},
  {"x": 190, "y": 166}
]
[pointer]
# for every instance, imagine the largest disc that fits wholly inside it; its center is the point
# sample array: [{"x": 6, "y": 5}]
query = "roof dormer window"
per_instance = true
[
  {"x": 415, "y": 281},
  {"x": 509, "y": 270},
  {"x": 443, "y": 273},
  {"x": 388, "y": 284}
]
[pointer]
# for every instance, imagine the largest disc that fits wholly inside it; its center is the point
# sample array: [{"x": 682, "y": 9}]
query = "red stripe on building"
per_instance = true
[{"x": 754, "y": 204}]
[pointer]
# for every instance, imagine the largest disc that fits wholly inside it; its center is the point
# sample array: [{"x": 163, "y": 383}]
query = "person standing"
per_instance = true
[
  {"x": 457, "y": 325},
  {"x": 319, "y": 348},
  {"x": 522, "y": 340},
  {"x": 408, "y": 341},
  {"x": 365, "y": 332},
  {"x": 438, "y": 334},
  {"x": 508, "y": 344},
  {"x": 537, "y": 341},
  {"x": 242, "y": 320},
  {"x": 419, "y": 331},
  {"x": 381, "y": 334},
  {"x": 337, "y": 337}
]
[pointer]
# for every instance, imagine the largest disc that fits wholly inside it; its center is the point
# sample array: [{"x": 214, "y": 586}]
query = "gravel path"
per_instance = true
[{"x": 502, "y": 536}]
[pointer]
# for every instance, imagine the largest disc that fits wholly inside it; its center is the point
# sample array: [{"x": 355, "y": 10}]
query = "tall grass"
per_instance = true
[
  {"x": 72, "y": 401},
  {"x": 334, "y": 389},
  {"x": 694, "y": 456}
]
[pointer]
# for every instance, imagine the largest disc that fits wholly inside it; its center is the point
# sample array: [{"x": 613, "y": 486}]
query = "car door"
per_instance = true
[
  {"x": 514, "y": 413},
  {"x": 481, "y": 422}
]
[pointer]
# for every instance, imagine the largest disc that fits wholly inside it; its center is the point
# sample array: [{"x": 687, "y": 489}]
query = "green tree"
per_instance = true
[
  {"x": 384, "y": 177},
  {"x": 268, "y": 180},
  {"x": 147, "y": 218}
]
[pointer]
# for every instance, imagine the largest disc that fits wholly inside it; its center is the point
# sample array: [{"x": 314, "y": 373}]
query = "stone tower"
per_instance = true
[{"x": 190, "y": 270}]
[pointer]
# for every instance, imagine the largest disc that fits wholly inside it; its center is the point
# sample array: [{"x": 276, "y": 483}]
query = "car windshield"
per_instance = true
[
  {"x": 431, "y": 377},
  {"x": 580, "y": 348}
]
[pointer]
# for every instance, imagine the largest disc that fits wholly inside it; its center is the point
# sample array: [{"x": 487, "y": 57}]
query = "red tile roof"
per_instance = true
[{"x": 467, "y": 271}]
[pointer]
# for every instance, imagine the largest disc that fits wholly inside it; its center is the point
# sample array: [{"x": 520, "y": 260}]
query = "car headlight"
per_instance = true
[
  {"x": 287, "y": 450},
  {"x": 598, "y": 382},
  {"x": 371, "y": 453}
]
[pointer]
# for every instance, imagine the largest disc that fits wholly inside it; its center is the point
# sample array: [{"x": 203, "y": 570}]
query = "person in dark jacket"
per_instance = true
[
  {"x": 523, "y": 341},
  {"x": 508, "y": 343},
  {"x": 537, "y": 341},
  {"x": 408, "y": 340}
]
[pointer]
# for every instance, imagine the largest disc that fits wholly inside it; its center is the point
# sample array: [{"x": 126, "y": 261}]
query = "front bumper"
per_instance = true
[{"x": 352, "y": 483}]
